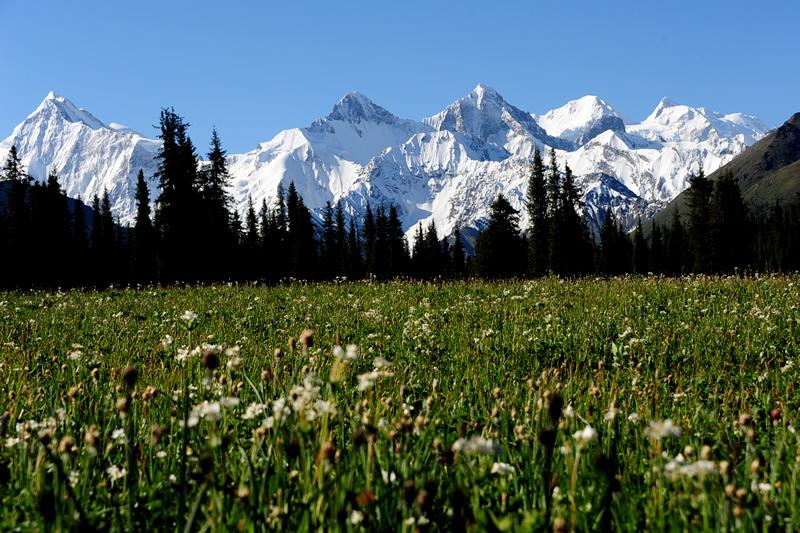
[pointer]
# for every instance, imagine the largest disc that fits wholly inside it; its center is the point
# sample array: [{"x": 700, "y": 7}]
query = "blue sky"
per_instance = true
[{"x": 254, "y": 68}]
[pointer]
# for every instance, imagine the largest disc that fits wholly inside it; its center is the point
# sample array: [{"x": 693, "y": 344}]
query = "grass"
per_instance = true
[{"x": 627, "y": 403}]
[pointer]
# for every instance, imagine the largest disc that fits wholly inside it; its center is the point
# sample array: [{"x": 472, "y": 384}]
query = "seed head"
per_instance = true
[
  {"x": 129, "y": 376},
  {"x": 122, "y": 405},
  {"x": 306, "y": 339},
  {"x": 210, "y": 359},
  {"x": 67, "y": 445}
]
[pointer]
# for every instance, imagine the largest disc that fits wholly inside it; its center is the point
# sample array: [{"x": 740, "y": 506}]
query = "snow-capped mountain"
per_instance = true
[
  {"x": 581, "y": 120},
  {"x": 88, "y": 155},
  {"x": 447, "y": 168}
]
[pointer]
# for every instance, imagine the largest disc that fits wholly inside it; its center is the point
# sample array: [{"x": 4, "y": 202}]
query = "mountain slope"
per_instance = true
[{"x": 767, "y": 171}]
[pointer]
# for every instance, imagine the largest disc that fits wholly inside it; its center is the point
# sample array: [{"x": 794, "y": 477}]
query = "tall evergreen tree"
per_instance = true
[
  {"x": 178, "y": 217},
  {"x": 641, "y": 251},
  {"x": 370, "y": 241},
  {"x": 341, "y": 241},
  {"x": 499, "y": 249},
  {"x": 144, "y": 245},
  {"x": 17, "y": 218},
  {"x": 538, "y": 252},
  {"x": 700, "y": 190},
  {"x": 330, "y": 251},
  {"x": 301, "y": 235},
  {"x": 555, "y": 229},
  {"x": 458, "y": 255},
  {"x": 730, "y": 230},
  {"x": 355, "y": 267},
  {"x": 677, "y": 257},
  {"x": 396, "y": 241},
  {"x": 252, "y": 257},
  {"x": 657, "y": 250}
]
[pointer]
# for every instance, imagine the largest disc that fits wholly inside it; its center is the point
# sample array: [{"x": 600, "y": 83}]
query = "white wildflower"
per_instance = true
[
  {"x": 585, "y": 436},
  {"x": 352, "y": 352},
  {"x": 189, "y": 317},
  {"x": 338, "y": 352},
  {"x": 633, "y": 417},
  {"x": 253, "y": 410},
  {"x": 662, "y": 429},
  {"x": 229, "y": 402},
  {"x": 366, "y": 381},
  {"x": 502, "y": 469},
  {"x": 380, "y": 363},
  {"x": 356, "y": 517},
  {"x": 114, "y": 472},
  {"x": 763, "y": 488},
  {"x": 389, "y": 478},
  {"x": 475, "y": 445},
  {"x": 118, "y": 435}
]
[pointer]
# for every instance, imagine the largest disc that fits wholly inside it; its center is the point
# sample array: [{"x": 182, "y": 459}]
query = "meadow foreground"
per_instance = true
[{"x": 586, "y": 405}]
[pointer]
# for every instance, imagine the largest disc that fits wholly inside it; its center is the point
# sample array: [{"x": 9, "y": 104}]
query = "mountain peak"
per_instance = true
[
  {"x": 356, "y": 107},
  {"x": 581, "y": 120},
  {"x": 483, "y": 90},
  {"x": 55, "y": 105},
  {"x": 667, "y": 102}
]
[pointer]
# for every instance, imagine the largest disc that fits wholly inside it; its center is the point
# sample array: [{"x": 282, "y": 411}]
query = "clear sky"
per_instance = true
[{"x": 254, "y": 68}]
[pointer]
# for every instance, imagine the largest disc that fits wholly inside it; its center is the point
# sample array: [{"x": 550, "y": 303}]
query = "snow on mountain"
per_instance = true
[
  {"x": 581, "y": 120},
  {"x": 484, "y": 114},
  {"x": 672, "y": 122},
  {"x": 88, "y": 155},
  {"x": 447, "y": 168},
  {"x": 325, "y": 159}
]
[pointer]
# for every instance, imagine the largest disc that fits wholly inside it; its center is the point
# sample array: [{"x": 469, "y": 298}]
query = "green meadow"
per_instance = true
[{"x": 627, "y": 404}]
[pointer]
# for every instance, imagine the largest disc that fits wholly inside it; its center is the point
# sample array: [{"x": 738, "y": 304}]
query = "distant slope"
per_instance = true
[{"x": 767, "y": 171}]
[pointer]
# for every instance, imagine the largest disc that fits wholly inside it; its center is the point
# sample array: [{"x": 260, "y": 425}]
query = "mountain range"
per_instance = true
[{"x": 447, "y": 168}]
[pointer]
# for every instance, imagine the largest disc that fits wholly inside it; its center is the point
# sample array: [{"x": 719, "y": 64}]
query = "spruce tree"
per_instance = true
[
  {"x": 355, "y": 267},
  {"x": 341, "y": 244},
  {"x": 252, "y": 259},
  {"x": 499, "y": 249},
  {"x": 178, "y": 217},
  {"x": 457, "y": 253},
  {"x": 329, "y": 246},
  {"x": 17, "y": 223},
  {"x": 700, "y": 190},
  {"x": 213, "y": 181},
  {"x": 657, "y": 251},
  {"x": 80, "y": 243},
  {"x": 538, "y": 252},
  {"x": 370, "y": 239},
  {"x": 397, "y": 245},
  {"x": 144, "y": 245},
  {"x": 677, "y": 256},
  {"x": 554, "y": 216},
  {"x": 641, "y": 251},
  {"x": 302, "y": 244},
  {"x": 730, "y": 230}
]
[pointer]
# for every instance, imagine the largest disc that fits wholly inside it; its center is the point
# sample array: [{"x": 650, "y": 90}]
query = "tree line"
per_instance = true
[{"x": 196, "y": 234}]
